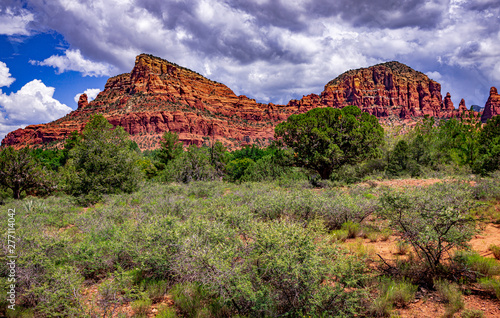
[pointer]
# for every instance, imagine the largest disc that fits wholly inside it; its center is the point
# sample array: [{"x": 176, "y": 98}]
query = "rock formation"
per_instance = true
[
  {"x": 83, "y": 101},
  {"x": 158, "y": 96},
  {"x": 492, "y": 107}
]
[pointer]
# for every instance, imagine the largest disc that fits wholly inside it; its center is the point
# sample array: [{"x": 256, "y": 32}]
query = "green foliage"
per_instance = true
[
  {"x": 171, "y": 147},
  {"x": 218, "y": 158},
  {"x": 50, "y": 158},
  {"x": 325, "y": 139},
  {"x": 392, "y": 293},
  {"x": 191, "y": 165},
  {"x": 101, "y": 163},
  {"x": 491, "y": 284},
  {"x": 20, "y": 172},
  {"x": 434, "y": 220},
  {"x": 278, "y": 270},
  {"x": 481, "y": 266},
  {"x": 451, "y": 295},
  {"x": 353, "y": 229},
  {"x": 495, "y": 249},
  {"x": 472, "y": 313},
  {"x": 236, "y": 168},
  {"x": 489, "y": 149},
  {"x": 401, "y": 162}
]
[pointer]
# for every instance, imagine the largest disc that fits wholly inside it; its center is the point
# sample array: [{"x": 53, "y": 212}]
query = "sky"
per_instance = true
[{"x": 51, "y": 51}]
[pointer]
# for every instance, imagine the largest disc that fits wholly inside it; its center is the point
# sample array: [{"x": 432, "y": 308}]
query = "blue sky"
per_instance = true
[{"x": 271, "y": 50}]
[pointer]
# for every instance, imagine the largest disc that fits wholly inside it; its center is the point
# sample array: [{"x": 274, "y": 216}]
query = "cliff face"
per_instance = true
[
  {"x": 158, "y": 96},
  {"x": 492, "y": 107},
  {"x": 384, "y": 90}
]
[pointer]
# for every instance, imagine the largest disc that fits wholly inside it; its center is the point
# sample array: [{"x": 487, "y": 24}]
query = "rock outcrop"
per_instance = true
[
  {"x": 158, "y": 96},
  {"x": 384, "y": 90},
  {"x": 83, "y": 101},
  {"x": 492, "y": 107}
]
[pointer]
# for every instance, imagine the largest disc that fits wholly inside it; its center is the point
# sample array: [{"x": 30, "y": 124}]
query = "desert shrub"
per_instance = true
[
  {"x": 349, "y": 174},
  {"x": 140, "y": 307},
  {"x": 339, "y": 235},
  {"x": 392, "y": 293},
  {"x": 451, "y": 295},
  {"x": 353, "y": 229},
  {"x": 472, "y": 313},
  {"x": 278, "y": 269},
  {"x": 477, "y": 265},
  {"x": 360, "y": 249},
  {"x": 434, "y": 220},
  {"x": 488, "y": 188},
  {"x": 195, "y": 300},
  {"x": 402, "y": 248},
  {"x": 495, "y": 249},
  {"x": 166, "y": 312},
  {"x": 57, "y": 293},
  {"x": 491, "y": 284},
  {"x": 341, "y": 207}
]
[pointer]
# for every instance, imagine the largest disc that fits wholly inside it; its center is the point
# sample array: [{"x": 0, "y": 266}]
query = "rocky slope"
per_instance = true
[{"x": 158, "y": 96}]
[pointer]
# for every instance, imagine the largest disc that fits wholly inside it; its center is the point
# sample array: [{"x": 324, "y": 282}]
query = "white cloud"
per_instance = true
[
  {"x": 12, "y": 23},
  {"x": 434, "y": 75},
  {"x": 73, "y": 60},
  {"x": 32, "y": 104},
  {"x": 5, "y": 77},
  {"x": 91, "y": 94}
]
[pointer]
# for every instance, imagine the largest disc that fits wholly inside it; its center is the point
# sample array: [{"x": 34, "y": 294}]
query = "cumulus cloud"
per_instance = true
[
  {"x": 73, "y": 60},
  {"x": 15, "y": 22},
  {"x": 91, "y": 94},
  {"x": 33, "y": 103},
  {"x": 5, "y": 78}
]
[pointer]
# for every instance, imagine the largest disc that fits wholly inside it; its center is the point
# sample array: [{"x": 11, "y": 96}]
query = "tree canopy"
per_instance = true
[
  {"x": 102, "y": 162},
  {"x": 325, "y": 139}
]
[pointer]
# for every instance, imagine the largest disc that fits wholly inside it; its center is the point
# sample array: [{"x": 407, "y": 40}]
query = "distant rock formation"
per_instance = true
[
  {"x": 492, "y": 107},
  {"x": 159, "y": 96},
  {"x": 384, "y": 90}
]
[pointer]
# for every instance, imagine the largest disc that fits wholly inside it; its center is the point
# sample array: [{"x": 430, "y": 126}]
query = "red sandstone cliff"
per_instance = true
[
  {"x": 158, "y": 96},
  {"x": 384, "y": 90},
  {"x": 492, "y": 107}
]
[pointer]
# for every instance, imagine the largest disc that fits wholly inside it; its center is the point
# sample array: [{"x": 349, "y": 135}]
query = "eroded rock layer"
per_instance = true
[{"x": 158, "y": 96}]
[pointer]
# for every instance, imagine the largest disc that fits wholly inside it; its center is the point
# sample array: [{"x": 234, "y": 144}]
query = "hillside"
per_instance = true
[{"x": 158, "y": 96}]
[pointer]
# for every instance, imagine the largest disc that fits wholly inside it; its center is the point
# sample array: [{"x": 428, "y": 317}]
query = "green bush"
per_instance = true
[
  {"x": 21, "y": 173},
  {"x": 353, "y": 229},
  {"x": 495, "y": 249},
  {"x": 278, "y": 269},
  {"x": 451, "y": 295},
  {"x": 477, "y": 264},
  {"x": 392, "y": 293},
  {"x": 101, "y": 163},
  {"x": 191, "y": 165},
  {"x": 433, "y": 220},
  {"x": 472, "y": 313},
  {"x": 491, "y": 284}
]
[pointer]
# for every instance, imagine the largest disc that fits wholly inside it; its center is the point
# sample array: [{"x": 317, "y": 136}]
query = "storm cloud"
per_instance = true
[{"x": 275, "y": 50}]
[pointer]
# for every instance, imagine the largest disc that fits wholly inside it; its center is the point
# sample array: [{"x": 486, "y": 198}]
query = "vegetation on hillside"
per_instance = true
[{"x": 101, "y": 226}]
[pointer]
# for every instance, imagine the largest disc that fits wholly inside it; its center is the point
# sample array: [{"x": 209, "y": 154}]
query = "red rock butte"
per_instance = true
[{"x": 159, "y": 96}]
